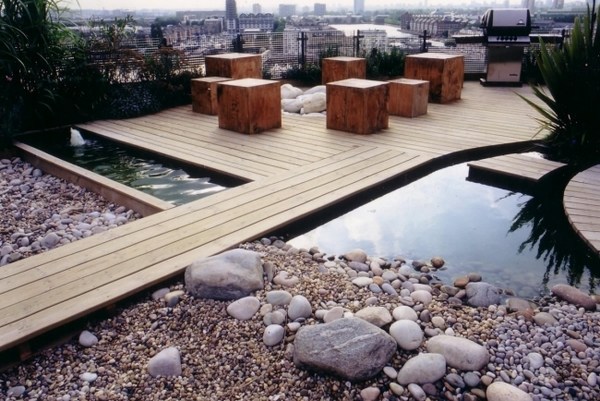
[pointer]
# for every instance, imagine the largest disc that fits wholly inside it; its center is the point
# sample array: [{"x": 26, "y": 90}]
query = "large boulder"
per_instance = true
[
  {"x": 460, "y": 353},
  {"x": 574, "y": 296},
  {"x": 483, "y": 294},
  {"x": 350, "y": 348},
  {"x": 230, "y": 275}
]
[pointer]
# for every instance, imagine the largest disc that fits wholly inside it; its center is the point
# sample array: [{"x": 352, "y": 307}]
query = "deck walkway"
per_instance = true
[
  {"x": 582, "y": 205},
  {"x": 520, "y": 166},
  {"x": 291, "y": 172}
]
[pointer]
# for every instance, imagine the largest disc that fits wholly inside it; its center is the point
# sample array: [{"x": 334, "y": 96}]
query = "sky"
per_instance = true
[{"x": 242, "y": 5}]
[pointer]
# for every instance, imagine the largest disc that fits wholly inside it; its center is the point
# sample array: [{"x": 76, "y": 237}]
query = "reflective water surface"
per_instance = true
[
  {"x": 162, "y": 179},
  {"x": 514, "y": 240}
]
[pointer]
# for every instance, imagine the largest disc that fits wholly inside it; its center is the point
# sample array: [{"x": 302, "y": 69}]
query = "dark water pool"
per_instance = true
[
  {"x": 158, "y": 177},
  {"x": 514, "y": 240}
]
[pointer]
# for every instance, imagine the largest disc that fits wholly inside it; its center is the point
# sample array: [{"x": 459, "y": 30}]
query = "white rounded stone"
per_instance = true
[
  {"x": 404, "y": 312},
  {"x": 273, "y": 335},
  {"x": 407, "y": 334}
]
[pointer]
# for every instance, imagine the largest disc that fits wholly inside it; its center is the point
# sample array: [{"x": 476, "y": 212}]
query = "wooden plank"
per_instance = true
[
  {"x": 140, "y": 202},
  {"x": 333, "y": 186},
  {"x": 296, "y": 170},
  {"x": 516, "y": 166},
  {"x": 581, "y": 201}
]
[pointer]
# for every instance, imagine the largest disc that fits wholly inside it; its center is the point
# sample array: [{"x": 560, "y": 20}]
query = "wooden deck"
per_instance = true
[
  {"x": 582, "y": 205},
  {"x": 291, "y": 173},
  {"x": 520, "y": 166}
]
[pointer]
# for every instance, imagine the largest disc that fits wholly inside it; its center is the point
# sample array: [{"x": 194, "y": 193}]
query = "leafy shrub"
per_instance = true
[
  {"x": 309, "y": 75},
  {"x": 572, "y": 78},
  {"x": 383, "y": 64}
]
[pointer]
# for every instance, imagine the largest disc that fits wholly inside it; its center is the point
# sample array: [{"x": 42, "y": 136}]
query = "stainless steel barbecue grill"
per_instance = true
[{"x": 506, "y": 33}]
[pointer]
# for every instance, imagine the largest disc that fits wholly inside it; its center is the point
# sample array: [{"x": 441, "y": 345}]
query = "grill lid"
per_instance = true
[{"x": 506, "y": 22}]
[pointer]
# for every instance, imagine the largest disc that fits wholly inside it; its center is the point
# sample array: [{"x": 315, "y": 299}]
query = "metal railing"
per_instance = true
[{"x": 282, "y": 51}]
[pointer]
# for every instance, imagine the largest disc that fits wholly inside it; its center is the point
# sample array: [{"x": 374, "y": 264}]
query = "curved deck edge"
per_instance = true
[{"x": 581, "y": 201}]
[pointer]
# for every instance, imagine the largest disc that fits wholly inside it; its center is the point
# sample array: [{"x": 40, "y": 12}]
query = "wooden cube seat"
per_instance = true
[
  {"x": 339, "y": 68},
  {"x": 408, "y": 97},
  {"x": 204, "y": 94},
  {"x": 445, "y": 73},
  {"x": 249, "y": 105},
  {"x": 234, "y": 65},
  {"x": 357, "y": 105}
]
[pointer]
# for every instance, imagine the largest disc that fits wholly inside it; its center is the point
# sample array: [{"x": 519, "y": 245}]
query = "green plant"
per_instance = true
[
  {"x": 572, "y": 77},
  {"x": 31, "y": 52},
  {"x": 309, "y": 75},
  {"x": 384, "y": 64}
]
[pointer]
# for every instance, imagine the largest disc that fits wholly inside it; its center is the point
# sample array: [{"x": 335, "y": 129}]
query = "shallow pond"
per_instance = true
[
  {"x": 515, "y": 241},
  {"x": 158, "y": 177}
]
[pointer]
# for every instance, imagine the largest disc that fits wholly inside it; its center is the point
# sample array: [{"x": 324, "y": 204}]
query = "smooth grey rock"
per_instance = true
[
  {"x": 471, "y": 379},
  {"x": 421, "y": 296},
  {"x": 482, "y": 294},
  {"x": 500, "y": 391},
  {"x": 337, "y": 312},
  {"x": 88, "y": 377},
  {"x": 417, "y": 392},
  {"x": 377, "y": 315},
  {"x": 166, "y": 363},
  {"x": 407, "y": 333},
  {"x": 358, "y": 266},
  {"x": 574, "y": 296},
  {"x": 536, "y": 360},
  {"x": 350, "y": 348},
  {"x": 87, "y": 339},
  {"x": 459, "y": 352},
  {"x": 50, "y": 240},
  {"x": 299, "y": 307},
  {"x": 421, "y": 369},
  {"x": 543, "y": 318},
  {"x": 389, "y": 289},
  {"x": 160, "y": 293},
  {"x": 362, "y": 281},
  {"x": 273, "y": 335},
  {"x": 15, "y": 391},
  {"x": 404, "y": 312},
  {"x": 279, "y": 297},
  {"x": 356, "y": 255},
  {"x": 243, "y": 308},
  {"x": 230, "y": 275},
  {"x": 370, "y": 393}
]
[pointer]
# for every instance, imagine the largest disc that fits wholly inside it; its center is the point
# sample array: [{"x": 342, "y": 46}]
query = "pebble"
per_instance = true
[
  {"x": 166, "y": 363},
  {"x": 279, "y": 297},
  {"x": 243, "y": 308},
  {"x": 417, "y": 392},
  {"x": 88, "y": 377},
  {"x": 87, "y": 339},
  {"x": 273, "y": 335},
  {"x": 408, "y": 334},
  {"x": 404, "y": 312},
  {"x": 299, "y": 307},
  {"x": 370, "y": 393}
]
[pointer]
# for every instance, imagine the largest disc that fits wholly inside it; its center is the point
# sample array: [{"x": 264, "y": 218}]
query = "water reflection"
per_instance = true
[
  {"x": 551, "y": 237},
  {"x": 475, "y": 227},
  {"x": 132, "y": 168}
]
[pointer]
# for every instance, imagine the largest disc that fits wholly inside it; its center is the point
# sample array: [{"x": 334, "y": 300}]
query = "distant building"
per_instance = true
[
  {"x": 558, "y": 4},
  {"x": 379, "y": 19},
  {"x": 437, "y": 26},
  {"x": 530, "y": 4},
  {"x": 320, "y": 9},
  {"x": 287, "y": 10},
  {"x": 359, "y": 6},
  {"x": 213, "y": 25},
  {"x": 256, "y": 22},
  {"x": 256, "y": 8},
  {"x": 231, "y": 17}
]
